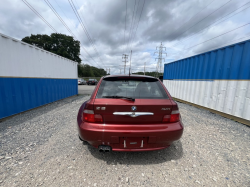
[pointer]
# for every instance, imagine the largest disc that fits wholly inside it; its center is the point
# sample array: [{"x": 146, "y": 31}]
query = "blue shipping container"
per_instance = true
[
  {"x": 218, "y": 79},
  {"x": 227, "y": 63}
]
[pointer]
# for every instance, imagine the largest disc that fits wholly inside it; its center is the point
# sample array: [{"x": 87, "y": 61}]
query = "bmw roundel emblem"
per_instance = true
[{"x": 133, "y": 108}]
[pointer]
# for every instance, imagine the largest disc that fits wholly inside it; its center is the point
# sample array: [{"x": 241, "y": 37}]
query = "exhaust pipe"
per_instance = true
[{"x": 104, "y": 148}]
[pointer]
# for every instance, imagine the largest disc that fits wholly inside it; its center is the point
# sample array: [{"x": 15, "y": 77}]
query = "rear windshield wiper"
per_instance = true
[{"x": 120, "y": 97}]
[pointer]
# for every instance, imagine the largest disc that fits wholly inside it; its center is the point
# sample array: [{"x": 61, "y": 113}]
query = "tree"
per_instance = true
[
  {"x": 56, "y": 43},
  {"x": 85, "y": 70}
]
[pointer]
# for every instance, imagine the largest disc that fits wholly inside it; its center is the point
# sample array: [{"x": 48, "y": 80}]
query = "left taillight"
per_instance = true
[
  {"x": 174, "y": 117},
  {"x": 90, "y": 116}
]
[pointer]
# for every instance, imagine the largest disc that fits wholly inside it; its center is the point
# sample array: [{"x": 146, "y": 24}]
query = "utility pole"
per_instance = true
[
  {"x": 125, "y": 57},
  {"x": 130, "y": 63},
  {"x": 159, "y": 63},
  {"x": 109, "y": 71},
  {"x": 144, "y": 67}
]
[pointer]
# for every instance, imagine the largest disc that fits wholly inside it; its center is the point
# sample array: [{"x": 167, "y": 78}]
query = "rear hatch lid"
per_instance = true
[{"x": 142, "y": 111}]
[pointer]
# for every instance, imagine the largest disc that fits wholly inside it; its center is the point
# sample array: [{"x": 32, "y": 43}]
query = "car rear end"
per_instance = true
[
  {"x": 83, "y": 82},
  {"x": 91, "y": 82},
  {"x": 130, "y": 113},
  {"x": 79, "y": 81}
]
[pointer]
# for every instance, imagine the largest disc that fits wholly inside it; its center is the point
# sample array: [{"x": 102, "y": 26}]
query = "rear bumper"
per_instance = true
[{"x": 154, "y": 136}]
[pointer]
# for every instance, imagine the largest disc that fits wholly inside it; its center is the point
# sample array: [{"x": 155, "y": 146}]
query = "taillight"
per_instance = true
[
  {"x": 98, "y": 118},
  {"x": 90, "y": 116},
  {"x": 174, "y": 117}
]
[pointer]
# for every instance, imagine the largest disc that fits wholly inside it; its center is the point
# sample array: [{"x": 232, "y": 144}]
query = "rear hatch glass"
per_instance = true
[
  {"x": 137, "y": 88},
  {"x": 120, "y": 95}
]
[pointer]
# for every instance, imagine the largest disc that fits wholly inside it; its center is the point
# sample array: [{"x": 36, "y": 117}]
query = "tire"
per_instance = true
[{"x": 81, "y": 139}]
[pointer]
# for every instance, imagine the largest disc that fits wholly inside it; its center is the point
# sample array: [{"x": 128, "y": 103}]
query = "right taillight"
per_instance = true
[
  {"x": 174, "y": 117},
  {"x": 90, "y": 116}
]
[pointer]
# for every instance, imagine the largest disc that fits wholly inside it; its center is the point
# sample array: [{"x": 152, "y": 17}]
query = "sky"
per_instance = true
[{"x": 110, "y": 28}]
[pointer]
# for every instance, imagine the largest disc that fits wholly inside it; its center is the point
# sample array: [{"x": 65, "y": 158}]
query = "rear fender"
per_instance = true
[{"x": 80, "y": 111}]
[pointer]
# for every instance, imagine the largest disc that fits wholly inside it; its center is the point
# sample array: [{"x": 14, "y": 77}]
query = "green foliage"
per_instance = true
[
  {"x": 59, "y": 44},
  {"x": 85, "y": 70}
]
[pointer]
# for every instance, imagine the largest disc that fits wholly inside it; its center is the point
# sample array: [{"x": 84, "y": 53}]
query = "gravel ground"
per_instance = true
[{"x": 41, "y": 148}]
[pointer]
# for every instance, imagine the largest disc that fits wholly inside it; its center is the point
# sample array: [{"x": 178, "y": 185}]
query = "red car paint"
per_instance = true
[{"x": 126, "y": 133}]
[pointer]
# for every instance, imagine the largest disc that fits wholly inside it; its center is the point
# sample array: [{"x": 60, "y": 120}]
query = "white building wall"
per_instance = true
[
  {"x": 227, "y": 96},
  {"x": 19, "y": 59}
]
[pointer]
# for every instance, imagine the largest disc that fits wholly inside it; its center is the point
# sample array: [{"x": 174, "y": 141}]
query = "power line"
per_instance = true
[
  {"x": 39, "y": 15},
  {"x": 33, "y": 9},
  {"x": 59, "y": 17},
  {"x": 131, "y": 24},
  {"x": 217, "y": 22},
  {"x": 81, "y": 23},
  {"x": 198, "y": 12},
  {"x": 204, "y": 19},
  {"x": 83, "y": 26},
  {"x": 90, "y": 56},
  {"x": 139, "y": 20},
  {"x": 84, "y": 21},
  {"x": 218, "y": 36},
  {"x": 125, "y": 26},
  {"x": 65, "y": 14},
  {"x": 87, "y": 60},
  {"x": 93, "y": 44},
  {"x": 76, "y": 37},
  {"x": 79, "y": 19},
  {"x": 247, "y": 36}
]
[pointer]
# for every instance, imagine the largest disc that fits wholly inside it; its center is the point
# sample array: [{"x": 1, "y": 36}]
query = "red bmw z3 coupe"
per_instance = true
[{"x": 129, "y": 113}]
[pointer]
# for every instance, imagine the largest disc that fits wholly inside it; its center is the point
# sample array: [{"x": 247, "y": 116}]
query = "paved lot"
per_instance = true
[
  {"x": 41, "y": 148},
  {"x": 85, "y": 89}
]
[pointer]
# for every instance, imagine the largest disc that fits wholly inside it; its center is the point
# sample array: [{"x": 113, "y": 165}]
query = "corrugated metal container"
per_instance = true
[
  {"x": 218, "y": 79},
  {"x": 31, "y": 77}
]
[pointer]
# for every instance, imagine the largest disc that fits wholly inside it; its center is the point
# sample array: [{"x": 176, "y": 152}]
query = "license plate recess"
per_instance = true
[{"x": 133, "y": 142}]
